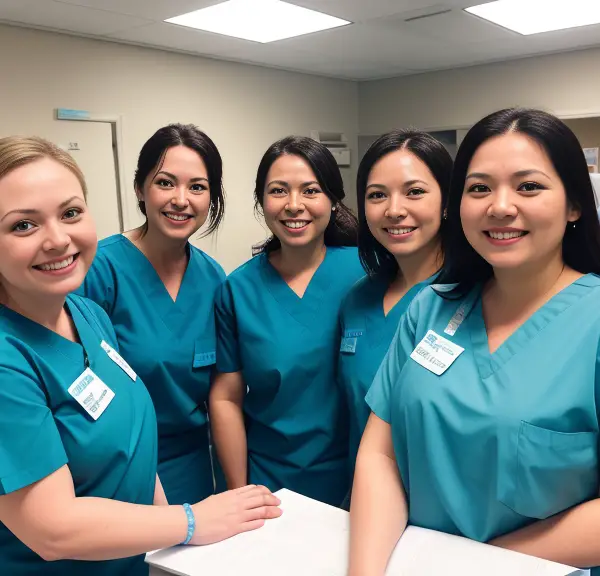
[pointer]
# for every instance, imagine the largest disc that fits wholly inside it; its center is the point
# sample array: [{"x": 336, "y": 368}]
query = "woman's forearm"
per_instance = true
[
  {"x": 229, "y": 435},
  {"x": 572, "y": 537},
  {"x": 103, "y": 529},
  {"x": 378, "y": 514}
]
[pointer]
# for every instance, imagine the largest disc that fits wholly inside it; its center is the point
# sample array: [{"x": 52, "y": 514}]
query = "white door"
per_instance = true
[{"x": 96, "y": 160}]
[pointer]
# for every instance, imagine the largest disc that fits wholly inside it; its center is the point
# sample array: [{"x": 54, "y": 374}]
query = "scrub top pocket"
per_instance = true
[
  {"x": 553, "y": 471},
  {"x": 205, "y": 352}
]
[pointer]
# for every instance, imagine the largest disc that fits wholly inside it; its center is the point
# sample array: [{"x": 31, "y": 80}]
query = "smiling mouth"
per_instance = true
[
  {"x": 295, "y": 224},
  {"x": 177, "y": 217},
  {"x": 57, "y": 265},
  {"x": 505, "y": 235},
  {"x": 400, "y": 231}
]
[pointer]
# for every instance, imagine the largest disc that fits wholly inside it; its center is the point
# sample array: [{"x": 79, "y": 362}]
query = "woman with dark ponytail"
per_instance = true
[
  {"x": 159, "y": 291},
  {"x": 276, "y": 410}
]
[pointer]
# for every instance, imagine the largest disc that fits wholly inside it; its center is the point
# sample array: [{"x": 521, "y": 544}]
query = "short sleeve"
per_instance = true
[
  {"x": 228, "y": 349},
  {"x": 380, "y": 392},
  {"x": 31, "y": 446},
  {"x": 99, "y": 284}
]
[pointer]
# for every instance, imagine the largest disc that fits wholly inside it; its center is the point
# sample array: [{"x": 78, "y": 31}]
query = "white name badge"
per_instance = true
[
  {"x": 91, "y": 393},
  {"x": 436, "y": 353},
  {"x": 118, "y": 359}
]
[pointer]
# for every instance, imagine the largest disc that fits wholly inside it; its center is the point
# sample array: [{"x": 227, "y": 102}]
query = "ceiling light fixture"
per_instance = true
[
  {"x": 258, "y": 20},
  {"x": 535, "y": 16}
]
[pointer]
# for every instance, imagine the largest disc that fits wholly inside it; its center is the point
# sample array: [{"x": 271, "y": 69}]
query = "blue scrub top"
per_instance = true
[
  {"x": 498, "y": 440},
  {"x": 172, "y": 346},
  {"x": 286, "y": 348},
  {"x": 366, "y": 336},
  {"x": 43, "y": 428}
]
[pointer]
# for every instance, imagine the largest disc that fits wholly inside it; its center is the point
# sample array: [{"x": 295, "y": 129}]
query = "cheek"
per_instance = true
[{"x": 469, "y": 217}]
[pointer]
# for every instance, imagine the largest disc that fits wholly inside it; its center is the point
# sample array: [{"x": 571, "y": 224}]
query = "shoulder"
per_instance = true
[
  {"x": 247, "y": 271},
  {"x": 360, "y": 293},
  {"x": 110, "y": 252},
  {"x": 346, "y": 263},
  {"x": 432, "y": 301},
  {"x": 94, "y": 315},
  {"x": 344, "y": 253},
  {"x": 207, "y": 262}
]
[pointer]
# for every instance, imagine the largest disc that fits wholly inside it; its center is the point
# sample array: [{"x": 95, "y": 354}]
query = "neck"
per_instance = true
[
  {"x": 46, "y": 311},
  {"x": 519, "y": 287},
  {"x": 419, "y": 266},
  {"x": 292, "y": 260},
  {"x": 163, "y": 253}
]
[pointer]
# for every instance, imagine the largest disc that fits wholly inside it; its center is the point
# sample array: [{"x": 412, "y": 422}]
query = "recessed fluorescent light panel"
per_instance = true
[
  {"x": 535, "y": 16},
  {"x": 258, "y": 20}
]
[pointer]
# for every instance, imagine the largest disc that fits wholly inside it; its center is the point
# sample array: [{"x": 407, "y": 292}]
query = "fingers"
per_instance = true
[
  {"x": 251, "y": 488},
  {"x": 257, "y": 501},
  {"x": 261, "y": 513}
]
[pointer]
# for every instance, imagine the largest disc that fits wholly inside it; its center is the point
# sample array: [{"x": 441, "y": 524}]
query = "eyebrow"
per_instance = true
[
  {"x": 28, "y": 211},
  {"x": 520, "y": 174},
  {"x": 287, "y": 185},
  {"x": 406, "y": 184},
  {"x": 198, "y": 179}
]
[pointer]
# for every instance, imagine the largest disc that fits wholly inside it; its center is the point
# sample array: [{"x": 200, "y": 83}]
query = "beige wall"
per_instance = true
[
  {"x": 567, "y": 84},
  {"x": 243, "y": 108},
  {"x": 587, "y": 131}
]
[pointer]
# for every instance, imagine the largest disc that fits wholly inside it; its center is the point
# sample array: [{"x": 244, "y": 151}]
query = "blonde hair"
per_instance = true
[{"x": 16, "y": 151}]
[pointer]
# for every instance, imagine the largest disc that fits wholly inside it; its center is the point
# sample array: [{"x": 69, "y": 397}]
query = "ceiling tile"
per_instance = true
[
  {"x": 180, "y": 38},
  {"x": 157, "y": 10},
  {"x": 60, "y": 16}
]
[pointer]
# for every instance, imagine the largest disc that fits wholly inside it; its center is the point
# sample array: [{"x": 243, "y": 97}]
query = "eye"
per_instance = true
[
  {"x": 23, "y": 226},
  {"x": 72, "y": 213},
  {"x": 277, "y": 191},
  {"x": 312, "y": 191},
  {"x": 377, "y": 195},
  {"x": 164, "y": 183},
  {"x": 415, "y": 192},
  {"x": 530, "y": 187},
  {"x": 478, "y": 189},
  {"x": 198, "y": 188}
]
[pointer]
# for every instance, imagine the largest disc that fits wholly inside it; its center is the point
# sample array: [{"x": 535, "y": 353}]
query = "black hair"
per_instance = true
[
  {"x": 152, "y": 156},
  {"x": 375, "y": 258},
  {"x": 343, "y": 225},
  {"x": 581, "y": 242}
]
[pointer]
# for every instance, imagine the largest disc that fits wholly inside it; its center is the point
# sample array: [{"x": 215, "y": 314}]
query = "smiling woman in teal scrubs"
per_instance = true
[
  {"x": 78, "y": 451},
  {"x": 278, "y": 414},
  {"x": 402, "y": 185},
  {"x": 485, "y": 409},
  {"x": 159, "y": 291}
]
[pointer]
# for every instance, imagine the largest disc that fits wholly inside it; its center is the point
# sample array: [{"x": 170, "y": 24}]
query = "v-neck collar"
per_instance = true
[
  {"x": 488, "y": 363},
  {"x": 302, "y": 309},
  {"x": 172, "y": 312},
  {"x": 377, "y": 322},
  {"x": 39, "y": 336}
]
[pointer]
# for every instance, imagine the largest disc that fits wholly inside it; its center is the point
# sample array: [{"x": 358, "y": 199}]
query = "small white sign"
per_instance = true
[
  {"x": 91, "y": 393},
  {"x": 436, "y": 353},
  {"x": 118, "y": 359}
]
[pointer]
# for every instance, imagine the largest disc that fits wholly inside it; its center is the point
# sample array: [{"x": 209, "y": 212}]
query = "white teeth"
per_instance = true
[
  {"x": 399, "y": 231},
  {"x": 57, "y": 265},
  {"x": 295, "y": 223},
  {"x": 177, "y": 217},
  {"x": 505, "y": 235}
]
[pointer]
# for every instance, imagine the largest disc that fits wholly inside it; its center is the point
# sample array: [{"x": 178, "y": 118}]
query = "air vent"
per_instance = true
[{"x": 430, "y": 15}]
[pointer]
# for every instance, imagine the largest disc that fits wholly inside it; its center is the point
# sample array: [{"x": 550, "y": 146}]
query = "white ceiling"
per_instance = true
[{"x": 380, "y": 43}]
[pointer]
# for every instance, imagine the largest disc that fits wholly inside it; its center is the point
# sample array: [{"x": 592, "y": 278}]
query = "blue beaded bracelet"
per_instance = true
[{"x": 191, "y": 523}]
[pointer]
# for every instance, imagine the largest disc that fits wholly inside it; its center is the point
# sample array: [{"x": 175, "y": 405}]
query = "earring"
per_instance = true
[
  {"x": 333, "y": 209},
  {"x": 445, "y": 215}
]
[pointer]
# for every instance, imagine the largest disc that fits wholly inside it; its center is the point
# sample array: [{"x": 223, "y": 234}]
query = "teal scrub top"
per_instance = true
[
  {"x": 286, "y": 348},
  {"x": 366, "y": 334},
  {"x": 43, "y": 428},
  {"x": 172, "y": 346},
  {"x": 498, "y": 440}
]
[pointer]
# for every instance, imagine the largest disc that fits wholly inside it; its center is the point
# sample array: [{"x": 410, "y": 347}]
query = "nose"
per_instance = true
[
  {"x": 56, "y": 238},
  {"x": 295, "y": 203},
  {"x": 502, "y": 204},
  {"x": 396, "y": 208},
  {"x": 180, "y": 198}
]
